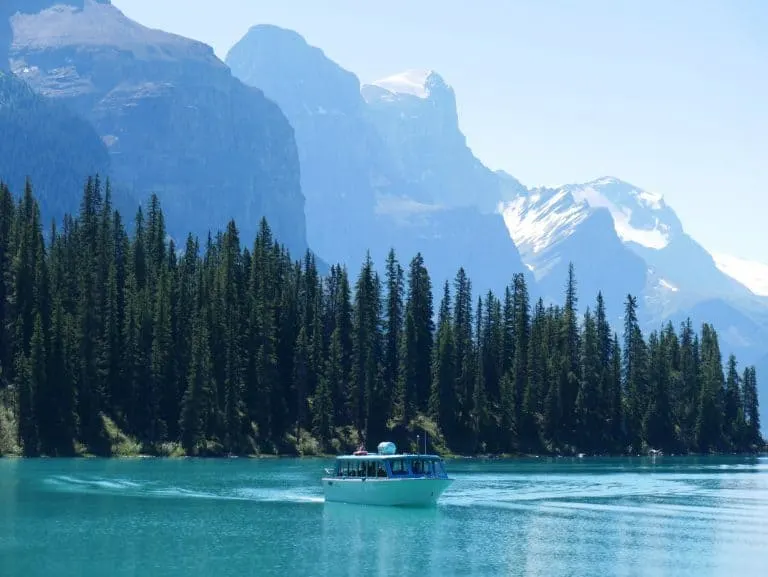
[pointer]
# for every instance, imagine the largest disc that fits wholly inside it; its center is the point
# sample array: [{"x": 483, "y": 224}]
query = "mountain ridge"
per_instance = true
[
  {"x": 355, "y": 162},
  {"x": 174, "y": 119}
]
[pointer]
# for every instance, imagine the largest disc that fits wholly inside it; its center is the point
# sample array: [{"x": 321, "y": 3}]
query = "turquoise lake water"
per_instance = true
[{"x": 550, "y": 517}]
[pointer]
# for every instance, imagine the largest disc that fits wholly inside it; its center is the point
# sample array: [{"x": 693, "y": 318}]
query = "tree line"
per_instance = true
[{"x": 111, "y": 340}]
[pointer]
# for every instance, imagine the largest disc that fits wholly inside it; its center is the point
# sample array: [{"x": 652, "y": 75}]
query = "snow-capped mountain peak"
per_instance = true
[
  {"x": 626, "y": 191},
  {"x": 639, "y": 216},
  {"x": 415, "y": 82},
  {"x": 542, "y": 217}
]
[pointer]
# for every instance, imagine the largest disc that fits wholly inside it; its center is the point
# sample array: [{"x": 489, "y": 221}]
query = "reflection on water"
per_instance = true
[
  {"x": 553, "y": 517},
  {"x": 357, "y": 538}
]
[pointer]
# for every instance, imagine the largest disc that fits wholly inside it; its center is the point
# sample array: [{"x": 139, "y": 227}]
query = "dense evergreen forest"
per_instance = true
[{"x": 118, "y": 344}]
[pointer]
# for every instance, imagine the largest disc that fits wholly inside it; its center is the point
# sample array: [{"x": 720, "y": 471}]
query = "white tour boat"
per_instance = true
[{"x": 386, "y": 478}]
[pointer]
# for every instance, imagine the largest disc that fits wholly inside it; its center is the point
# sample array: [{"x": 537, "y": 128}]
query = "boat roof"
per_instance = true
[{"x": 380, "y": 457}]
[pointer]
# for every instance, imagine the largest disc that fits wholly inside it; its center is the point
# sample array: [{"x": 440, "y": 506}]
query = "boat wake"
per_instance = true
[{"x": 131, "y": 488}]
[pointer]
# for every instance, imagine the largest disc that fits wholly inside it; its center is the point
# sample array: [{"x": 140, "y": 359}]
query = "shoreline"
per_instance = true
[{"x": 447, "y": 457}]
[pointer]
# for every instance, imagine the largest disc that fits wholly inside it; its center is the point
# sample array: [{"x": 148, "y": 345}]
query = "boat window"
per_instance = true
[
  {"x": 423, "y": 467},
  {"x": 399, "y": 467},
  {"x": 380, "y": 470}
]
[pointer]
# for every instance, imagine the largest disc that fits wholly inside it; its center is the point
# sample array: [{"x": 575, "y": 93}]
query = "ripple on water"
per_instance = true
[{"x": 554, "y": 518}]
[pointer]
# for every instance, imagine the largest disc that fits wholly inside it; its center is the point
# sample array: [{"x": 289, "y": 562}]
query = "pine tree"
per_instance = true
[
  {"x": 462, "y": 332},
  {"x": 658, "y": 427},
  {"x": 393, "y": 386},
  {"x": 367, "y": 354},
  {"x": 751, "y": 408},
  {"x": 443, "y": 402},
  {"x": 587, "y": 400},
  {"x": 479, "y": 398},
  {"x": 634, "y": 374},
  {"x": 7, "y": 338},
  {"x": 616, "y": 430},
  {"x": 733, "y": 408},
  {"x": 524, "y": 395},
  {"x": 198, "y": 405},
  {"x": 569, "y": 384},
  {"x": 417, "y": 339},
  {"x": 709, "y": 423}
]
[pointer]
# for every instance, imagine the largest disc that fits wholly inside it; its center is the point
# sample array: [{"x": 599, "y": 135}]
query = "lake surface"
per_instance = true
[{"x": 550, "y": 517}]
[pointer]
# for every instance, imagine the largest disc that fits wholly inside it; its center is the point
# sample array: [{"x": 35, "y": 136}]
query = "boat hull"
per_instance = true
[{"x": 407, "y": 492}]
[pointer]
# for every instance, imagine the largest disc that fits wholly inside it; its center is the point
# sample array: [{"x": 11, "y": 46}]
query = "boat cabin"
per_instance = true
[{"x": 387, "y": 465}]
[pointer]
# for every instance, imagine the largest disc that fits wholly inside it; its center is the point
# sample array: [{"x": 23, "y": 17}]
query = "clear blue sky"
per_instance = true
[{"x": 667, "y": 94}]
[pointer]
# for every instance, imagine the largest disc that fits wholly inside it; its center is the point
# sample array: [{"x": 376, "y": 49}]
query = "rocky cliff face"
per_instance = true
[
  {"x": 54, "y": 147},
  {"x": 337, "y": 150},
  {"x": 415, "y": 113},
  {"x": 363, "y": 183},
  {"x": 552, "y": 229},
  {"x": 174, "y": 120}
]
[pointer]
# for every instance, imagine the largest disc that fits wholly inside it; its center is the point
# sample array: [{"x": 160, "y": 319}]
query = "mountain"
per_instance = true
[
  {"x": 43, "y": 140},
  {"x": 753, "y": 275},
  {"x": 415, "y": 113},
  {"x": 623, "y": 239},
  {"x": 650, "y": 228},
  {"x": 552, "y": 228},
  {"x": 173, "y": 118},
  {"x": 386, "y": 164},
  {"x": 372, "y": 186}
]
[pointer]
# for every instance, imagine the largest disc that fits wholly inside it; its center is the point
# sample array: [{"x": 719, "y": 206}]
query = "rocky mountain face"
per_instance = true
[
  {"x": 552, "y": 229},
  {"x": 174, "y": 120},
  {"x": 338, "y": 154},
  {"x": 45, "y": 141},
  {"x": 415, "y": 114},
  {"x": 372, "y": 185},
  {"x": 623, "y": 240}
]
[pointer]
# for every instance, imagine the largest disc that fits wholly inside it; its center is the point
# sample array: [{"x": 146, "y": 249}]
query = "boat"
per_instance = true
[{"x": 386, "y": 478}]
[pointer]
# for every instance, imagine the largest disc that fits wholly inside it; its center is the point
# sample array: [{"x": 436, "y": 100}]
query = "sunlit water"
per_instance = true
[{"x": 556, "y": 517}]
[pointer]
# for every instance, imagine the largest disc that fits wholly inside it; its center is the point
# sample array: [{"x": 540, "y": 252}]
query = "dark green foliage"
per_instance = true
[{"x": 227, "y": 350}]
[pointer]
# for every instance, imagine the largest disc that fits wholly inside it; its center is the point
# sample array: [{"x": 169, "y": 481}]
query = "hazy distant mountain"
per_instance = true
[
  {"x": 415, "y": 113},
  {"x": 652, "y": 230},
  {"x": 394, "y": 169},
  {"x": 173, "y": 118},
  {"x": 370, "y": 185},
  {"x": 623, "y": 240},
  {"x": 552, "y": 229},
  {"x": 752, "y": 274}
]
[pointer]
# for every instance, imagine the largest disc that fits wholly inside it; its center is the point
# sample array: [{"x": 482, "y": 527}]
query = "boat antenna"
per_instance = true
[{"x": 425, "y": 441}]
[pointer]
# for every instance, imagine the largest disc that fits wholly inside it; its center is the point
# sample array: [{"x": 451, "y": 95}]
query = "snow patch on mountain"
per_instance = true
[
  {"x": 414, "y": 82},
  {"x": 538, "y": 220},
  {"x": 403, "y": 206},
  {"x": 753, "y": 275},
  {"x": 654, "y": 232},
  {"x": 665, "y": 284}
]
